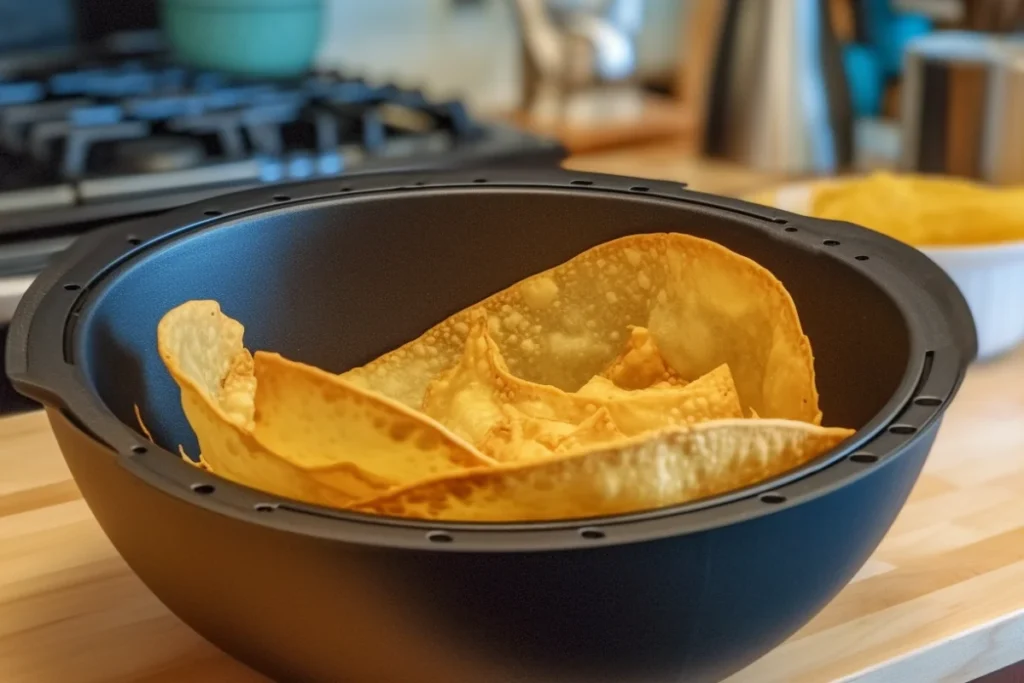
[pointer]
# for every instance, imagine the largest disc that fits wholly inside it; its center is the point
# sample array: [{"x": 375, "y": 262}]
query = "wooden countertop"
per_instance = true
[
  {"x": 674, "y": 161},
  {"x": 942, "y": 599}
]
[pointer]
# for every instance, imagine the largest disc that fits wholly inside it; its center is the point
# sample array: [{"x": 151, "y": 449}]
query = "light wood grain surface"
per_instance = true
[
  {"x": 675, "y": 161},
  {"x": 941, "y": 600}
]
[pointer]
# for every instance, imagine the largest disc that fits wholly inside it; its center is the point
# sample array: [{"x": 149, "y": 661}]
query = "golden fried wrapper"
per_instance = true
[
  {"x": 316, "y": 419},
  {"x": 712, "y": 396},
  {"x": 481, "y": 401},
  {"x": 704, "y": 305},
  {"x": 924, "y": 210},
  {"x": 519, "y": 437},
  {"x": 669, "y": 468},
  {"x": 599, "y": 429},
  {"x": 265, "y": 448},
  {"x": 640, "y": 365},
  {"x": 200, "y": 345},
  {"x": 615, "y": 382}
]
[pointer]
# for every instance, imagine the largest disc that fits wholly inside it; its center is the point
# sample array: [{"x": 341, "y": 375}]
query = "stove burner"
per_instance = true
[
  {"x": 158, "y": 154},
  {"x": 108, "y": 136}
]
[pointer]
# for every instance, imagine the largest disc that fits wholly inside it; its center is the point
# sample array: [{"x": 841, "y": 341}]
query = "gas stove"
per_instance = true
[
  {"x": 109, "y": 140},
  {"x": 86, "y": 143}
]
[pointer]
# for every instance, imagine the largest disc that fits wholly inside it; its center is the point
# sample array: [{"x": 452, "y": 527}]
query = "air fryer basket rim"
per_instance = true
[{"x": 42, "y": 351}]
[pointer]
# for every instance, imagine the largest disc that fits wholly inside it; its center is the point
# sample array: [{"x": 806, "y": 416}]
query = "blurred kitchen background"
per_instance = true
[
  {"x": 492, "y": 54},
  {"x": 111, "y": 109}
]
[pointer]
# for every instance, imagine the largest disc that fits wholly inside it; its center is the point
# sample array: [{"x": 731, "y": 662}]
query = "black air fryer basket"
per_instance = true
[{"x": 334, "y": 276}]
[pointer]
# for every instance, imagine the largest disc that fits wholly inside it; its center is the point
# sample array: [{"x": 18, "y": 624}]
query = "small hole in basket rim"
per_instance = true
[
  {"x": 203, "y": 489},
  {"x": 773, "y": 498},
  {"x": 862, "y": 257},
  {"x": 264, "y": 507},
  {"x": 582, "y": 182},
  {"x": 72, "y": 287},
  {"x": 139, "y": 450},
  {"x": 831, "y": 243},
  {"x": 591, "y": 534},
  {"x": 902, "y": 429},
  {"x": 864, "y": 458},
  {"x": 479, "y": 180},
  {"x": 213, "y": 212},
  {"x": 928, "y": 401},
  {"x": 639, "y": 188},
  {"x": 790, "y": 229},
  {"x": 282, "y": 198},
  {"x": 439, "y": 537},
  {"x": 134, "y": 241}
]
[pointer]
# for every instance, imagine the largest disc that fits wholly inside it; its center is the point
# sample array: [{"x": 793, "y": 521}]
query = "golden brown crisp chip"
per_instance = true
[
  {"x": 615, "y": 382},
  {"x": 481, "y": 401},
  {"x": 199, "y": 346},
  {"x": 519, "y": 437},
  {"x": 597, "y": 430},
  {"x": 640, "y": 365},
  {"x": 316, "y": 419},
  {"x": 205, "y": 347},
  {"x": 921, "y": 210},
  {"x": 670, "y": 468},
  {"x": 600, "y": 387},
  {"x": 314, "y": 437},
  {"x": 704, "y": 305}
]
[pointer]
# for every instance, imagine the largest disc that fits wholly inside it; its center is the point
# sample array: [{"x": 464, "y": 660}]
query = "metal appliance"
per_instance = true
[
  {"x": 778, "y": 98},
  {"x": 571, "y": 45}
]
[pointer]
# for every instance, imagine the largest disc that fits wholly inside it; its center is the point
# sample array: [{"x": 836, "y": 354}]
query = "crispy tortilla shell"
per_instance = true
[
  {"x": 671, "y": 468},
  {"x": 704, "y": 306}
]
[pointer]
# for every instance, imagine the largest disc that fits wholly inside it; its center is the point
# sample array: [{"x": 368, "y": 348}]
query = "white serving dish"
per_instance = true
[{"x": 991, "y": 277}]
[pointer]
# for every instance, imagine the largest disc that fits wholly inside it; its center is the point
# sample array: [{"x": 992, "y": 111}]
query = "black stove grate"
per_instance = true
[{"x": 94, "y": 139}]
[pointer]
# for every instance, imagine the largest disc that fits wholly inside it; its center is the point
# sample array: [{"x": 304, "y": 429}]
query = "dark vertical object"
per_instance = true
[
  {"x": 861, "y": 21},
  {"x": 713, "y": 143},
  {"x": 840, "y": 108},
  {"x": 931, "y": 116},
  {"x": 99, "y": 18}
]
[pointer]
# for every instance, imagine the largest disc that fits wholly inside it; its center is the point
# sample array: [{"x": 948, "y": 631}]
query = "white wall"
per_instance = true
[{"x": 471, "y": 52}]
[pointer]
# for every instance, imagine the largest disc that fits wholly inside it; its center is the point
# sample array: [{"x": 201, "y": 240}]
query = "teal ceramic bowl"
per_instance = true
[{"x": 260, "y": 38}]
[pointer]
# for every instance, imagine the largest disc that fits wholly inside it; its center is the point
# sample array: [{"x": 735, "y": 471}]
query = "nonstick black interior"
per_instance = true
[{"x": 336, "y": 276}]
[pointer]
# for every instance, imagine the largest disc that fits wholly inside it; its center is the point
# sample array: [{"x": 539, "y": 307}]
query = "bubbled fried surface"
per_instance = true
[
  {"x": 704, "y": 306},
  {"x": 670, "y": 468}
]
